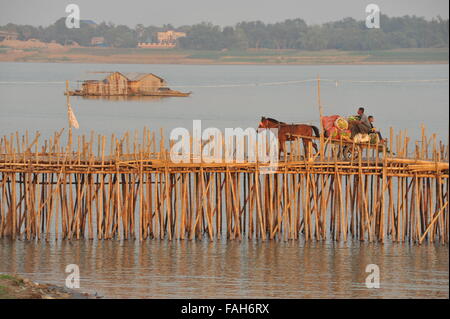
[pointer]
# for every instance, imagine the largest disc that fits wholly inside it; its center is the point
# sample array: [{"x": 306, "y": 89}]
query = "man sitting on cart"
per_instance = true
[
  {"x": 363, "y": 125},
  {"x": 373, "y": 129}
]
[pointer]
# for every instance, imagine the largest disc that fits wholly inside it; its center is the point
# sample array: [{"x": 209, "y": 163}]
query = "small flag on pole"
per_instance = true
[{"x": 72, "y": 119}]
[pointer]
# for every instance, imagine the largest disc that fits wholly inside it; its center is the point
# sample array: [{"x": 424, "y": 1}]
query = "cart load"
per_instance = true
[
  {"x": 336, "y": 127},
  {"x": 341, "y": 123},
  {"x": 351, "y": 120}
]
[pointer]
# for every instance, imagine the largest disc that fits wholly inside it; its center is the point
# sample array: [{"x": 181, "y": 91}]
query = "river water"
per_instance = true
[
  {"x": 402, "y": 96},
  {"x": 247, "y": 269}
]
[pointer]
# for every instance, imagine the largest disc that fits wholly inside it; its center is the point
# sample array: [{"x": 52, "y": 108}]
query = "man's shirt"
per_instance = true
[{"x": 365, "y": 120}]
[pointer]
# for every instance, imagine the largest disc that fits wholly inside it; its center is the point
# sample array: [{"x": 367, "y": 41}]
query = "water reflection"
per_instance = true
[
  {"x": 123, "y": 98},
  {"x": 202, "y": 269}
]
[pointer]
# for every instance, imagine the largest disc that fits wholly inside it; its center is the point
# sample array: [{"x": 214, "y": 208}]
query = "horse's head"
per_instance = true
[{"x": 263, "y": 123}]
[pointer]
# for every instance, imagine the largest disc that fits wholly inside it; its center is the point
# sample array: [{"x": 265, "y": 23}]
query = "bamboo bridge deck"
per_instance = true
[{"x": 129, "y": 188}]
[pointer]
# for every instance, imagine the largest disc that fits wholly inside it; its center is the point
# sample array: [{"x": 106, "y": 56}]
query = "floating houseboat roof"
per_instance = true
[
  {"x": 131, "y": 76},
  {"x": 137, "y": 76}
]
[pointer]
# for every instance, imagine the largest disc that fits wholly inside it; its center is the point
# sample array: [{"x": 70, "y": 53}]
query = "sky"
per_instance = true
[{"x": 221, "y": 12}]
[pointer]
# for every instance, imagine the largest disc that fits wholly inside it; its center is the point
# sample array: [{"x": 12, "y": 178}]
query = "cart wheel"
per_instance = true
[
  {"x": 349, "y": 151},
  {"x": 335, "y": 149}
]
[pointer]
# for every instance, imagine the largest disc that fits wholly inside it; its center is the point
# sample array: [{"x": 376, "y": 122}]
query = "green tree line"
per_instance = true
[{"x": 345, "y": 34}]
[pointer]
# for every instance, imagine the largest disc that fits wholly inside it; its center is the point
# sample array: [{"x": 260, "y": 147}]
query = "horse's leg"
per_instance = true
[
  {"x": 305, "y": 147},
  {"x": 306, "y": 144},
  {"x": 281, "y": 141},
  {"x": 311, "y": 141},
  {"x": 316, "y": 148}
]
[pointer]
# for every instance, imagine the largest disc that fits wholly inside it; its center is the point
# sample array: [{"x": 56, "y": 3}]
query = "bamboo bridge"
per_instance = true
[{"x": 94, "y": 187}]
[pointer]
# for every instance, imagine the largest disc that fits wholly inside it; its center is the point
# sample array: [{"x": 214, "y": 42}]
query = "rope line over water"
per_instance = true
[{"x": 254, "y": 84}]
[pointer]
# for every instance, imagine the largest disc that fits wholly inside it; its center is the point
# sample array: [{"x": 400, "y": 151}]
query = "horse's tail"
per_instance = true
[{"x": 316, "y": 131}]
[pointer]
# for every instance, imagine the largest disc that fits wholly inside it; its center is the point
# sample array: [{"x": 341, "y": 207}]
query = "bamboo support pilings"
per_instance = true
[{"x": 131, "y": 189}]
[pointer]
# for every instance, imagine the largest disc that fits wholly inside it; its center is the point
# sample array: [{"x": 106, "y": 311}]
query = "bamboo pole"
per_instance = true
[{"x": 135, "y": 191}]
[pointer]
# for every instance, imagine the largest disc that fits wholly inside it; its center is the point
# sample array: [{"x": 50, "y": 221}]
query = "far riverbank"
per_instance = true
[{"x": 232, "y": 57}]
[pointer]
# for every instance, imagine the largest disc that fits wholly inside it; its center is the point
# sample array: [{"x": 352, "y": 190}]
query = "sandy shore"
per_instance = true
[
  {"x": 244, "y": 57},
  {"x": 17, "y": 287}
]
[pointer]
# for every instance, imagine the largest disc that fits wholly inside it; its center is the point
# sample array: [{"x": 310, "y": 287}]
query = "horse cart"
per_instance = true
[
  {"x": 346, "y": 146},
  {"x": 342, "y": 148},
  {"x": 351, "y": 150}
]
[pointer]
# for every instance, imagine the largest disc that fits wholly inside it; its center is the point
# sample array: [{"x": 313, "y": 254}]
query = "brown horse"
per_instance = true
[{"x": 290, "y": 132}]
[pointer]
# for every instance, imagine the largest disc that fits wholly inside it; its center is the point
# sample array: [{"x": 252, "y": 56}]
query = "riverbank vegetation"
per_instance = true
[{"x": 347, "y": 34}]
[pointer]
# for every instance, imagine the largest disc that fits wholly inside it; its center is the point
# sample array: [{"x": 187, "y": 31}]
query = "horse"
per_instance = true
[{"x": 291, "y": 132}]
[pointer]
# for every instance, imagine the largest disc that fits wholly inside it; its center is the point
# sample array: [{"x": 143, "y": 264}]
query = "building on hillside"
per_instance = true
[
  {"x": 166, "y": 40},
  {"x": 169, "y": 37},
  {"x": 8, "y": 35},
  {"x": 98, "y": 41},
  {"x": 147, "y": 45},
  {"x": 90, "y": 23}
]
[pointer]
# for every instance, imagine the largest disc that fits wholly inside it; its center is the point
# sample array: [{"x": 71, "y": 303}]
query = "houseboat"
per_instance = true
[{"x": 126, "y": 84}]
